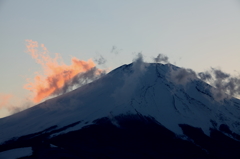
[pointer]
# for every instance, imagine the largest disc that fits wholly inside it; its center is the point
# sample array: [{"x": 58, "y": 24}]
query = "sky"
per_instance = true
[{"x": 197, "y": 34}]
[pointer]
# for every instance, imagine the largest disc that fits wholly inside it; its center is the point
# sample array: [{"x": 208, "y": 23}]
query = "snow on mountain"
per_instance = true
[
  {"x": 137, "y": 88},
  {"x": 16, "y": 153}
]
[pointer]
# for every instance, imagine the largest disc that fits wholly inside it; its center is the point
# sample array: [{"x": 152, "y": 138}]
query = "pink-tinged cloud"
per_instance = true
[
  {"x": 55, "y": 72},
  {"x": 4, "y": 100}
]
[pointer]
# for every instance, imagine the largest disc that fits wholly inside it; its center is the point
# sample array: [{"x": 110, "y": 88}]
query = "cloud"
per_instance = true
[
  {"x": 101, "y": 60},
  {"x": 5, "y": 100},
  {"x": 205, "y": 76},
  {"x": 138, "y": 63},
  {"x": 182, "y": 75},
  {"x": 20, "y": 107},
  {"x": 219, "y": 75},
  {"x": 80, "y": 79},
  {"x": 131, "y": 79},
  {"x": 115, "y": 50},
  {"x": 56, "y": 75},
  {"x": 161, "y": 58},
  {"x": 224, "y": 85}
]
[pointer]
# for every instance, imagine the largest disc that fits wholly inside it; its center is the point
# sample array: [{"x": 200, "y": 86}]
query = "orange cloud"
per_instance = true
[
  {"x": 4, "y": 99},
  {"x": 55, "y": 73}
]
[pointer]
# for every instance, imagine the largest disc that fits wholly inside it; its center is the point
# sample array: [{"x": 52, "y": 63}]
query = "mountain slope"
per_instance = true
[{"x": 131, "y": 99}]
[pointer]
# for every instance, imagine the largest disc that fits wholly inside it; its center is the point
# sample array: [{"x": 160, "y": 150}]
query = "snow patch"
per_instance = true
[{"x": 16, "y": 153}]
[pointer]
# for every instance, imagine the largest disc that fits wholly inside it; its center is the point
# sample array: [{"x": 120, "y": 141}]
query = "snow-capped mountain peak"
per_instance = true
[{"x": 142, "y": 89}]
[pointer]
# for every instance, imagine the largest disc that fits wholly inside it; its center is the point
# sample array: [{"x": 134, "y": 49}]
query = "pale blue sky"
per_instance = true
[{"x": 195, "y": 34}]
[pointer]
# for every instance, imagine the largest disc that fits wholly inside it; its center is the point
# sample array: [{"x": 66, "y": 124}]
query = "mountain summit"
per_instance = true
[{"x": 136, "y": 111}]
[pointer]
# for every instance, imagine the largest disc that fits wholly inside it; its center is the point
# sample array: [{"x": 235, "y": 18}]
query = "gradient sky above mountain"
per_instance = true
[{"x": 193, "y": 34}]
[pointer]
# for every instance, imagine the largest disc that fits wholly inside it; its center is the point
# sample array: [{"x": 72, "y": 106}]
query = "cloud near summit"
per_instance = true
[
  {"x": 224, "y": 84},
  {"x": 57, "y": 77}
]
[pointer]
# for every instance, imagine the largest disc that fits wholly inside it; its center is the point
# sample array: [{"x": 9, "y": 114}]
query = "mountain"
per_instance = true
[{"x": 135, "y": 111}]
